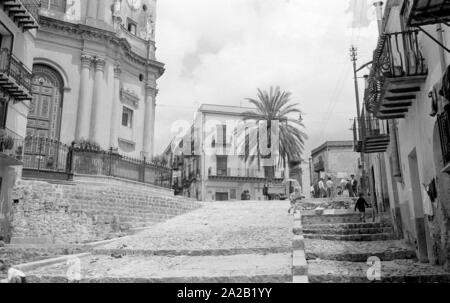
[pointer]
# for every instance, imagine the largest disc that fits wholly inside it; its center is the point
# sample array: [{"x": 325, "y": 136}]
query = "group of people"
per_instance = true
[{"x": 327, "y": 189}]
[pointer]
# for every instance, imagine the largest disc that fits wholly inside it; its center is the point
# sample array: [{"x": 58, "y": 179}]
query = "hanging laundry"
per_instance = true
[{"x": 427, "y": 206}]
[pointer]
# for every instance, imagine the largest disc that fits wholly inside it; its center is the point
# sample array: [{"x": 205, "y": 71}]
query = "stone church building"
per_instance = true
[{"x": 94, "y": 74}]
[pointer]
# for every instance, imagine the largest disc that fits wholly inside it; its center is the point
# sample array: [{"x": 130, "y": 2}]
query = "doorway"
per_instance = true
[{"x": 419, "y": 218}]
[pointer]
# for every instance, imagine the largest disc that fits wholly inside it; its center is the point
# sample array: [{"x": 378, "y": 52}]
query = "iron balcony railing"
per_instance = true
[
  {"x": 398, "y": 55},
  {"x": 33, "y": 7},
  {"x": 13, "y": 68}
]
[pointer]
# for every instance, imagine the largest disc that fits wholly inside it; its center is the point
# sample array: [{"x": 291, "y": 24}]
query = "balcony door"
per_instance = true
[{"x": 44, "y": 119}]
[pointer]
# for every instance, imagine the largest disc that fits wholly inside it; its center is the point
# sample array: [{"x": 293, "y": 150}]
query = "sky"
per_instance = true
[{"x": 220, "y": 52}]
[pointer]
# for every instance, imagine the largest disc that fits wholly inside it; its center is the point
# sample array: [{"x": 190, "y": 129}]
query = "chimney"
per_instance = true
[{"x": 379, "y": 9}]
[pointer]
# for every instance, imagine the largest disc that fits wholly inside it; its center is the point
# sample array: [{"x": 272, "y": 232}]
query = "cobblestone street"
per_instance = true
[{"x": 221, "y": 242}]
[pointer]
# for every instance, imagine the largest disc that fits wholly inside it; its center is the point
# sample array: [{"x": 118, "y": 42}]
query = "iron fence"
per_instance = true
[{"x": 45, "y": 158}]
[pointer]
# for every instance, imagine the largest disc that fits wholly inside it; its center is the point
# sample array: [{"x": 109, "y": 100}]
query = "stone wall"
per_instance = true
[{"x": 67, "y": 213}]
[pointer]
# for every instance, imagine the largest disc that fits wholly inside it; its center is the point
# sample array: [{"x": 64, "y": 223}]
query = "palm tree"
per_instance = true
[{"x": 276, "y": 105}]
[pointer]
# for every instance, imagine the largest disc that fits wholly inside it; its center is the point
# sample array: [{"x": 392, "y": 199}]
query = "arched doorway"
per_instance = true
[{"x": 44, "y": 118}]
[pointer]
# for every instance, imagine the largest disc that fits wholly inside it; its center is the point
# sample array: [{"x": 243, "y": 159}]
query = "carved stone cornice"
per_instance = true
[
  {"x": 86, "y": 32},
  {"x": 129, "y": 98}
]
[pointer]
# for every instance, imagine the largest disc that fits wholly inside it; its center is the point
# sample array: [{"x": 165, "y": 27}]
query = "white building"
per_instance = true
[
  {"x": 214, "y": 166},
  {"x": 94, "y": 74}
]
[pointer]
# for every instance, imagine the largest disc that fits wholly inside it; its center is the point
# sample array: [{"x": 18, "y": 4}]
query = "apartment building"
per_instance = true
[
  {"x": 404, "y": 130},
  {"x": 336, "y": 160},
  {"x": 212, "y": 162}
]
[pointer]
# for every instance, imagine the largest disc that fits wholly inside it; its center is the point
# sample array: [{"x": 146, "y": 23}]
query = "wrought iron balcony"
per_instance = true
[
  {"x": 25, "y": 13},
  {"x": 425, "y": 12},
  {"x": 371, "y": 135},
  {"x": 15, "y": 77},
  {"x": 11, "y": 147},
  {"x": 396, "y": 76}
]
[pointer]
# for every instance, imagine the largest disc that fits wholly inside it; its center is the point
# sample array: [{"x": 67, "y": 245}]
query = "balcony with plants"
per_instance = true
[
  {"x": 11, "y": 147},
  {"x": 25, "y": 13},
  {"x": 398, "y": 71}
]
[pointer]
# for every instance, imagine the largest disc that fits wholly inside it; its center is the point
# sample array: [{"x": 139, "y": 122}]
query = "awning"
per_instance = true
[{"x": 424, "y": 12}]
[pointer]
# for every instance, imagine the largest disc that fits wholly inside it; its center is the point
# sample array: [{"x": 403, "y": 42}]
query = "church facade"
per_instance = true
[{"x": 95, "y": 73}]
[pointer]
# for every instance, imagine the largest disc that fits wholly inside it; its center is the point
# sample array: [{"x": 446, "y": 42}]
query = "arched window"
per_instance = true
[
  {"x": 54, "y": 5},
  {"x": 44, "y": 118}
]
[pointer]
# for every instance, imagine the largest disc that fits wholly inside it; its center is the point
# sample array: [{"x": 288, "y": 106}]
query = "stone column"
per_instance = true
[
  {"x": 149, "y": 120},
  {"x": 83, "y": 122},
  {"x": 92, "y": 9},
  {"x": 97, "y": 101},
  {"x": 115, "y": 110},
  {"x": 101, "y": 10}
]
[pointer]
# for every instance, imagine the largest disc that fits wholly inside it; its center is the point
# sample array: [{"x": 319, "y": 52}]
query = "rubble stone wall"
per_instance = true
[{"x": 67, "y": 213}]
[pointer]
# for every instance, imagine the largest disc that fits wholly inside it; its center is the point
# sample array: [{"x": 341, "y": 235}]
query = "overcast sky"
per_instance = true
[{"x": 220, "y": 52}]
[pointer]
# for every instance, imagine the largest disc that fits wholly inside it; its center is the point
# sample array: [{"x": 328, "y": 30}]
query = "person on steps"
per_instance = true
[{"x": 361, "y": 205}]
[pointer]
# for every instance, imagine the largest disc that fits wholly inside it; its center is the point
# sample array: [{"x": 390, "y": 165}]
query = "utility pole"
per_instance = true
[{"x": 354, "y": 59}]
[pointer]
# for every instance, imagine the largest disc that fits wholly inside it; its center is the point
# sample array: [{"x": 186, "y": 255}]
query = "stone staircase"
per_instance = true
[{"x": 340, "y": 249}]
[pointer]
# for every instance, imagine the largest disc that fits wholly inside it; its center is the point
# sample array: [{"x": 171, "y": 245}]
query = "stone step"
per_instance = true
[
  {"x": 357, "y": 238},
  {"x": 348, "y": 225},
  {"x": 396, "y": 271},
  {"x": 331, "y": 219},
  {"x": 348, "y": 231},
  {"x": 358, "y": 251},
  {"x": 270, "y": 268}
]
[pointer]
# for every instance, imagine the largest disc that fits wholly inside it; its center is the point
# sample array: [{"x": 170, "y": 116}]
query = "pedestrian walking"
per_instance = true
[
  {"x": 330, "y": 188},
  {"x": 323, "y": 192},
  {"x": 266, "y": 191},
  {"x": 354, "y": 184},
  {"x": 361, "y": 205},
  {"x": 295, "y": 197}
]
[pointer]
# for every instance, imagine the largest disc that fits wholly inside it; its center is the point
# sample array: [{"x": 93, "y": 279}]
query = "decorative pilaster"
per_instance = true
[
  {"x": 115, "y": 110},
  {"x": 101, "y": 10},
  {"x": 83, "y": 122},
  {"x": 97, "y": 119},
  {"x": 149, "y": 120},
  {"x": 92, "y": 9}
]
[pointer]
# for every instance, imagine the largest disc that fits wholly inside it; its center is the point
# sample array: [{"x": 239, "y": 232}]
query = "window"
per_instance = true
[
  {"x": 54, "y": 5},
  {"x": 222, "y": 135},
  {"x": 222, "y": 165},
  {"x": 127, "y": 117},
  {"x": 132, "y": 26}
]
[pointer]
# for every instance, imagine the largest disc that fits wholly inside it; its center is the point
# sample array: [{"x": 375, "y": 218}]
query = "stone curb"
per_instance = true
[
  {"x": 299, "y": 263},
  {"x": 38, "y": 264},
  {"x": 192, "y": 253},
  {"x": 195, "y": 279}
]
